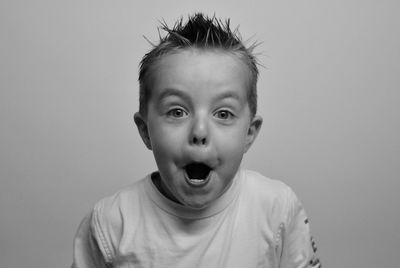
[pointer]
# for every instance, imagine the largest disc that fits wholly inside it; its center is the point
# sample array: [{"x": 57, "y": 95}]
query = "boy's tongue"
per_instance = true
[{"x": 197, "y": 171}]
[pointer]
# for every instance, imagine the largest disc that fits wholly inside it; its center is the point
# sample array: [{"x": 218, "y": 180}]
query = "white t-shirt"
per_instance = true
[{"x": 257, "y": 222}]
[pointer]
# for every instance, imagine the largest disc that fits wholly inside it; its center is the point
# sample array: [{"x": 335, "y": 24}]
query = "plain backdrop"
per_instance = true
[{"x": 328, "y": 93}]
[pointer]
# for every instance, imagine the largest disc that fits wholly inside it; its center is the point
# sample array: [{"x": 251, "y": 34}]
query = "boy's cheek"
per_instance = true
[{"x": 166, "y": 141}]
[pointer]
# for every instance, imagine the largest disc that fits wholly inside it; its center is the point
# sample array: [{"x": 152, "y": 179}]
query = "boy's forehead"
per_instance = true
[
  {"x": 215, "y": 64},
  {"x": 205, "y": 55},
  {"x": 218, "y": 75}
]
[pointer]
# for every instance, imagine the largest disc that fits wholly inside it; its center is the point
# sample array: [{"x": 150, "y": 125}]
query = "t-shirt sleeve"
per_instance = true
[
  {"x": 86, "y": 248},
  {"x": 298, "y": 246}
]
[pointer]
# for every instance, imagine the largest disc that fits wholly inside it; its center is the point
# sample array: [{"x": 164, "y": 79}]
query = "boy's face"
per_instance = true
[{"x": 198, "y": 123}]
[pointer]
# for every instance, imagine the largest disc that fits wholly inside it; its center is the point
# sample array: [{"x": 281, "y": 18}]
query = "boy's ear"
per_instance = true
[
  {"x": 253, "y": 130},
  {"x": 143, "y": 130}
]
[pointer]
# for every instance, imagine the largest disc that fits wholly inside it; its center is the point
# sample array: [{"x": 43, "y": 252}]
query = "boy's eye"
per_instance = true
[
  {"x": 224, "y": 115},
  {"x": 177, "y": 113}
]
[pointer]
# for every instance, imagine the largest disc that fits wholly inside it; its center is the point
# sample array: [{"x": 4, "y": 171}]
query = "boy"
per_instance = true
[{"x": 198, "y": 115}]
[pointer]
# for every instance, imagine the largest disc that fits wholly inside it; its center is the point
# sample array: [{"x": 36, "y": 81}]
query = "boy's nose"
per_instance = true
[{"x": 199, "y": 133}]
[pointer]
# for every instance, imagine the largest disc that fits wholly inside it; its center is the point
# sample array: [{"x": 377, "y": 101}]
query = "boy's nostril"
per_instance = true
[{"x": 198, "y": 141}]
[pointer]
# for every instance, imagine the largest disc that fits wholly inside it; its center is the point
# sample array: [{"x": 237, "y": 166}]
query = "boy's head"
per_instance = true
[{"x": 198, "y": 105}]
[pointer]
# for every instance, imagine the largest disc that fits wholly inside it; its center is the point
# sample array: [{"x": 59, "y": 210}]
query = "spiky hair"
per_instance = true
[{"x": 200, "y": 32}]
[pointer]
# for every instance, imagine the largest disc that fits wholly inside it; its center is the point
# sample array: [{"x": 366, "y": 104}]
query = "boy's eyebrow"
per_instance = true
[
  {"x": 228, "y": 95},
  {"x": 173, "y": 92},
  {"x": 182, "y": 94}
]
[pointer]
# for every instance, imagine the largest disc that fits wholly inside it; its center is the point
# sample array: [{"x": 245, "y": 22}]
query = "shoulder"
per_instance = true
[
  {"x": 122, "y": 200},
  {"x": 263, "y": 186},
  {"x": 122, "y": 205},
  {"x": 112, "y": 213},
  {"x": 274, "y": 197}
]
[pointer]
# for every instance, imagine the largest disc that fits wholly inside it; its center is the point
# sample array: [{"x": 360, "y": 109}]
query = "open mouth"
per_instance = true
[{"x": 197, "y": 173}]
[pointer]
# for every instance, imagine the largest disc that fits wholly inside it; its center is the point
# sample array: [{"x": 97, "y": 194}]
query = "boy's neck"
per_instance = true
[{"x": 176, "y": 208}]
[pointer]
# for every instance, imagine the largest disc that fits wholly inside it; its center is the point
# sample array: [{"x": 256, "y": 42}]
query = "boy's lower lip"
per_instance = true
[{"x": 198, "y": 183}]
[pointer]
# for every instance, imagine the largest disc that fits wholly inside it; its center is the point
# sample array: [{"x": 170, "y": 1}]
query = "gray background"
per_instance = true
[{"x": 328, "y": 94}]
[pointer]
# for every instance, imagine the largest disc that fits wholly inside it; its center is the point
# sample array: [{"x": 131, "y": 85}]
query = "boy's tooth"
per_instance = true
[{"x": 198, "y": 182}]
